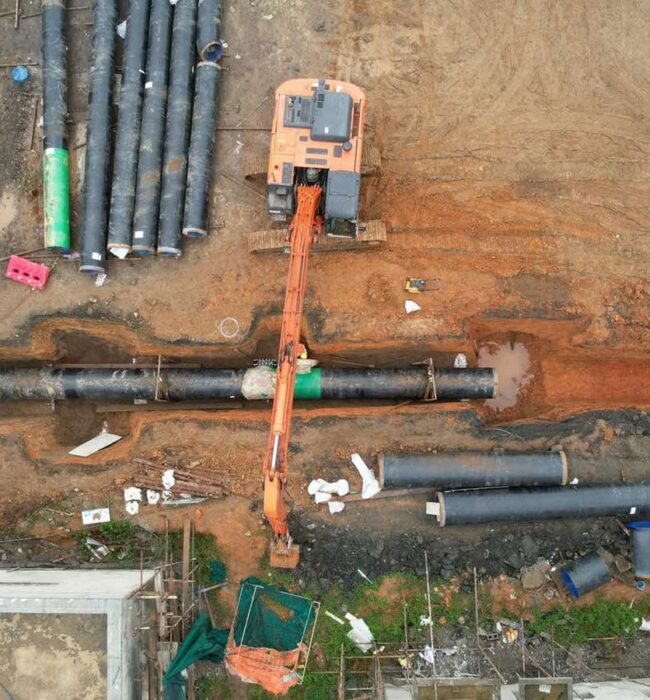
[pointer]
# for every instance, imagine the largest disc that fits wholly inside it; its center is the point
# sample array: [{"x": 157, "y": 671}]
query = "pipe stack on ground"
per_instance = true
[
  {"x": 127, "y": 140},
  {"x": 472, "y": 470},
  {"x": 548, "y": 503},
  {"x": 258, "y": 383},
  {"x": 204, "y": 115},
  {"x": 177, "y": 129},
  {"x": 152, "y": 131},
  {"x": 56, "y": 187},
  {"x": 98, "y": 139}
]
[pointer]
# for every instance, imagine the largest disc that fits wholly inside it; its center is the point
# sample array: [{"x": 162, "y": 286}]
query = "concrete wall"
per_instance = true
[{"x": 102, "y": 600}]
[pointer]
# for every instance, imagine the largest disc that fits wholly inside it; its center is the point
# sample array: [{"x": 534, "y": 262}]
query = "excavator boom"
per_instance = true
[{"x": 304, "y": 228}]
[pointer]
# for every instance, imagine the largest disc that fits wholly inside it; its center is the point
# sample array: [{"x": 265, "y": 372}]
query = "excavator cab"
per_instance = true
[{"x": 317, "y": 139}]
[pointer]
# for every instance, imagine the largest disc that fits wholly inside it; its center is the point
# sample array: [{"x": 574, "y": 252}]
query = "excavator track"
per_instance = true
[{"x": 370, "y": 234}]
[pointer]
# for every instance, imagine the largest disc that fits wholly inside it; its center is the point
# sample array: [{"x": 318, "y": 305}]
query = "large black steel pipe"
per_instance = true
[
  {"x": 94, "y": 218},
  {"x": 407, "y": 383},
  {"x": 177, "y": 129},
  {"x": 56, "y": 188},
  {"x": 127, "y": 139},
  {"x": 152, "y": 132},
  {"x": 472, "y": 470},
  {"x": 193, "y": 384},
  {"x": 200, "y": 166},
  {"x": 208, "y": 39},
  {"x": 548, "y": 503}
]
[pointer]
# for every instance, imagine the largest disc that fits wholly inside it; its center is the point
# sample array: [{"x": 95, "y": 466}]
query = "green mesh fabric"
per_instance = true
[
  {"x": 276, "y": 619},
  {"x": 203, "y": 642},
  {"x": 217, "y": 572}
]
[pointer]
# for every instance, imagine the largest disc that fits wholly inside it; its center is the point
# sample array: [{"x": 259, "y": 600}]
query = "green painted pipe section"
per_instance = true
[
  {"x": 308, "y": 385},
  {"x": 56, "y": 199}
]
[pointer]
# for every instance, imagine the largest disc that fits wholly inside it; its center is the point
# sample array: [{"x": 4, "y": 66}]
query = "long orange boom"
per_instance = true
[{"x": 305, "y": 227}]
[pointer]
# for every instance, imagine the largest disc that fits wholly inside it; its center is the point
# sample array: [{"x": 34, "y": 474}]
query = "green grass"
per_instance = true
[{"x": 576, "y": 625}]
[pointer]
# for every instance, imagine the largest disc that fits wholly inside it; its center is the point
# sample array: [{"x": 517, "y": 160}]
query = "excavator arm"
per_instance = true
[{"x": 304, "y": 228}]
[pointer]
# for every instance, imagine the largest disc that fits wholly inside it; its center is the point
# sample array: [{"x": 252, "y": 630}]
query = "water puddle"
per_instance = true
[{"x": 512, "y": 363}]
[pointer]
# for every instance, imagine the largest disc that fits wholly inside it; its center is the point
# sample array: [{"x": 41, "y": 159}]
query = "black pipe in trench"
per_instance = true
[
  {"x": 177, "y": 129},
  {"x": 472, "y": 470},
  {"x": 127, "y": 139},
  {"x": 152, "y": 131},
  {"x": 98, "y": 139},
  {"x": 195, "y": 384}
]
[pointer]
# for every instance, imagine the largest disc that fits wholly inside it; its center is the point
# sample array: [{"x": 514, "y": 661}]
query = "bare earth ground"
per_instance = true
[{"x": 514, "y": 139}]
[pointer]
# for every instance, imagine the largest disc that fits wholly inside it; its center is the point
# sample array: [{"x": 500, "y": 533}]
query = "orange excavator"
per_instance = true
[{"x": 313, "y": 180}]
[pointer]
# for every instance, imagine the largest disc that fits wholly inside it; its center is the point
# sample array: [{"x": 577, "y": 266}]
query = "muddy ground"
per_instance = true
[{"x": 514, "y": 171}]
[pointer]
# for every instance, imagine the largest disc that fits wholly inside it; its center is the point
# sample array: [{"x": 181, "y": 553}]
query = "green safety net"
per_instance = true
[
  {"x": 270, "y": 617},
  {"x": 203, "y": 642},
  {"x": 217, "y": 572}
]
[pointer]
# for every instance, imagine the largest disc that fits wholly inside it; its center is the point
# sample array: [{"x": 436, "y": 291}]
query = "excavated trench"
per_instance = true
[
  {"x": 541, "y": 376},
  {"x": 553, "y": 391}
]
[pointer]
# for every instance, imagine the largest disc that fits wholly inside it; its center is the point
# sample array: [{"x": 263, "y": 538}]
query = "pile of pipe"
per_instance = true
[
  {"x": 481, "y": 487},
  {"x": 162, "y": 157}
]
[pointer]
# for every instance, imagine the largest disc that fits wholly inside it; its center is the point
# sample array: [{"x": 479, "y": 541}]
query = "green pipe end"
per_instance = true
[{"x": 56, "y": 200}]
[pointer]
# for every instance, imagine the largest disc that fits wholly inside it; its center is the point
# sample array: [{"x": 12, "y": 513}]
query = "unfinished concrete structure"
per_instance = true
[{"x": 70, "y": 633}]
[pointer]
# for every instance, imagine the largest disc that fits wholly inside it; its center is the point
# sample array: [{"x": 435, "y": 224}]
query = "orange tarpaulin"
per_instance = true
[{"x": 274, "y": 670}]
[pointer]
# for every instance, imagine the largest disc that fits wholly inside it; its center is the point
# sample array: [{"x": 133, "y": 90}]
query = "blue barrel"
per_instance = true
[
  {"x": 641, "y": 547},
  {"x": 585, "y": 574}
]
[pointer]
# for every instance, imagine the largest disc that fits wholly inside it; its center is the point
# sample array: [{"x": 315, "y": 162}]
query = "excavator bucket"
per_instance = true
[{"x": 283, "y": 555}]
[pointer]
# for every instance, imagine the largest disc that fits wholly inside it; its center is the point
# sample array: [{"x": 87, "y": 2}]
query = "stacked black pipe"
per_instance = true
[
  {"x": 164, "y": 143},
  {"x": 177, "y": 131},
  {"x": 98, "y": 138},
  {"x": 152, "y": 131},
  {"x": 127, "y": 140},
  {"x": 208, "y": 73}
]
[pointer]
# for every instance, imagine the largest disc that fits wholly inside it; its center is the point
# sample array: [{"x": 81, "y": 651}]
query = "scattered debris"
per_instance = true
[
  {"x": 340, "y": 487},
  {"x": 360, "y": 633},
  {"x": 460, "y": 361},
  {"x": 335, "y": 507},
  {"x": 95, "y": 516},
  {"x": 363, "y": 576},
  {"x": 332, "y": 616},
  {"x": 98, "y": 549},
  {"x": 99, "y": 442},
  {"x": 411, "y": 306},
  {"x": 417, "y": 285},
  {"x": 644, "y": 626},
  {"x": 132, "y": 493},
  {"x": 189, "y": 483},
  {"x": 534, "y": 577},
  {"x": 370, "y": 484}
]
